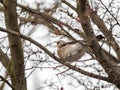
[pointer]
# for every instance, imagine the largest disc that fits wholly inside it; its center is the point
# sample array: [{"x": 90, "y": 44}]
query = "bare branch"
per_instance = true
[
  {"x": 111, "y": 41},
  {"x": 67, "y": 3},
  {"x": 53, "y": 56},
  {"x": 99, "y": 53},
  {"x": 7, "y": 82},
  {"x": 49, "y": 19},
  {"x": 4, "y": 59}
]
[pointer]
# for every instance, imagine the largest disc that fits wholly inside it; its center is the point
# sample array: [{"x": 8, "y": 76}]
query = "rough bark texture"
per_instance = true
[
  {"x": 103, "y": 59},
  {"x": 17, "y": 58},
  {"x": 106, "y": 60}
]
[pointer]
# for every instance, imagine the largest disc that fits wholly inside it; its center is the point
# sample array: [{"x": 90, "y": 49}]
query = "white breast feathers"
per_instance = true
[{"x": 70, "y": 49}]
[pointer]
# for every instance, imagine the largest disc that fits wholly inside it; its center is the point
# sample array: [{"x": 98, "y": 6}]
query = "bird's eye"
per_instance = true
[{"x": 58, "y": 42}]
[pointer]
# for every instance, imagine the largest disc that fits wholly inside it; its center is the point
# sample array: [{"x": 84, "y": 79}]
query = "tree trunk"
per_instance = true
[{"x": 17, "y": 58}]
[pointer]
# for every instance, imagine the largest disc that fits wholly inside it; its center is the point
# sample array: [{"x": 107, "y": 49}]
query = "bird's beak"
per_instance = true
[{"x": 55, "y": 43}]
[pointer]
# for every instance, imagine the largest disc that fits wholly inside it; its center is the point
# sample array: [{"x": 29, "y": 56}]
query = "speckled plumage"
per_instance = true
[{"x": 68, "y": 49}]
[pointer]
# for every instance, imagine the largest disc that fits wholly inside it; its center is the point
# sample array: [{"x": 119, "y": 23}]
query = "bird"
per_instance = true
[
  {"x": 99, "y": 37},
  {"x": 74, "y": 50},
  {"x": 71, "y": 51}
]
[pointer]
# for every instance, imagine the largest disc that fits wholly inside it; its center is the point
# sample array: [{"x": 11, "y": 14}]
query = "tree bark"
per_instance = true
[
  {"x": 17, "y": 58},
  {"x": 102, "y": 58}
]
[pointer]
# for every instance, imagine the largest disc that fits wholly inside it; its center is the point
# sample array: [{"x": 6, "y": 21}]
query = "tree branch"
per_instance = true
[
  {"x": 67, "y": 3},
  {"x": 7, "y": 82},
  {"x": 53, "y": 56},
  {"x": 49, "y": 19},
  {"x": 4, "y": 59},
  {"x": 111, "y": 41},
  {"x": 113, "y": 74}
]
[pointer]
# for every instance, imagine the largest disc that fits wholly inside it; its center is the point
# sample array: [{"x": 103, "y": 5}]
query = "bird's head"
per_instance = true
[
  {"x": 60, "y": 43},
  {"x": 99, "y": 37}
]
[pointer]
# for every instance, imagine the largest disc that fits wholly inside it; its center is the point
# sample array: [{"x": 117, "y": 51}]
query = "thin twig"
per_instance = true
[{"x": 7, "y": 82}]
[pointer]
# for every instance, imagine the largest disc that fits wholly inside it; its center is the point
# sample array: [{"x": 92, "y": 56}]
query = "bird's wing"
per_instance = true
[{"x": 73, "y": 52}]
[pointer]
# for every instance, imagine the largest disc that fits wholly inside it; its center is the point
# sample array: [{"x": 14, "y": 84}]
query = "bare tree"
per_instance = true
[
  {"x": 15, "y": 66},
  {"x": 83, "y": 20}
]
